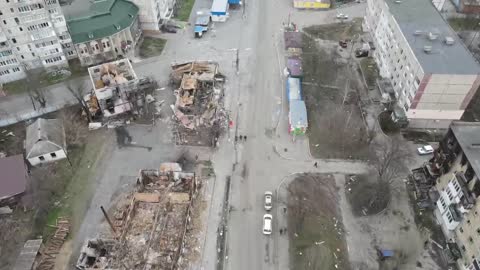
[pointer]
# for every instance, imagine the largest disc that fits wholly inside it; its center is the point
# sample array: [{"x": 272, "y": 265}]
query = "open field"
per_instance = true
[
  {"x": 331, "y": 88},
  {"x": 315, "y": 228}
]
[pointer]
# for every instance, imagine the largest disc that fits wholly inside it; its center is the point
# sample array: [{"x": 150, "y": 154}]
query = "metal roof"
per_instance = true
[
  {"x": 421, "y": 17},
  {"x": 294, "y": 89},
  {"x": 27, "y": 256},
  {"x": 298, "y": 114},
  {"x": 104, "y": 18},
  {"x": 13, "y": 179},
  {"x": 294, "y": 65},
  {"x": 468, "y": 137},
  {"x": 219, "y": 6},
  {"x": 292, "y": 39},
  {"x": 44, "y": 136}
]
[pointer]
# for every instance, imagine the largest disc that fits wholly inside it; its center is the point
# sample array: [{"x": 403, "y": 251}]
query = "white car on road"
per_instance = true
[
  {"x": 425, "y": 150},
  {"x": 342, "y": 16},
  {"x": 268, "y": 200},
  {"x": 267, "y": 224}
]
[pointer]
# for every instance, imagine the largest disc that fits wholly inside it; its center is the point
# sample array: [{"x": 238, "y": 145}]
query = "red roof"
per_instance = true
[{"x": 13, "y": 176}]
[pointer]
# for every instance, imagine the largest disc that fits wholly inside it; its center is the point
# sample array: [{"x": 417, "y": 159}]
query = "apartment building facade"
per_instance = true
[
  {"x": 456, "y": 167},
  {"x": 153, "y": 13},
  {"x": 432, "y": 73},
  {"x": 32, "y": 35}
]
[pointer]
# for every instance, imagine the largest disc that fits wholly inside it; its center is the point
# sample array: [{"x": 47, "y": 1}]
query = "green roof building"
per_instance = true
[{"x": 108, "y": 29}]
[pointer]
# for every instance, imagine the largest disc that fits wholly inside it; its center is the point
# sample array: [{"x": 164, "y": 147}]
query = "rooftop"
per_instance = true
[
  {"x": 468, "y": 137},
  {"x": 13, "y": 180},
  {"x": 44, "y": 136},
  {"x": 103, "y": 18},
  {"x": 421, "y": 17}
]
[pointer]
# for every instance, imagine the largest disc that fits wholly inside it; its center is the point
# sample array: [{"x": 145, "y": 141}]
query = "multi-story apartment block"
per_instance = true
[
  {"x": 33, "y": 33},
  {"x": 153, "y": 13},
  {"x": 456, "y": 168},
  {"x": 432, "y": 72}
]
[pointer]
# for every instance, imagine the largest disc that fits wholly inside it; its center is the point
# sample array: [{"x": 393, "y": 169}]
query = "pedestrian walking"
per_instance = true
[
  {"x": 315, "y": 164},
  {"x": 284, "y": 210},
  {"x": 245, "y": 137},
  {"x": 281, "y": 231}
]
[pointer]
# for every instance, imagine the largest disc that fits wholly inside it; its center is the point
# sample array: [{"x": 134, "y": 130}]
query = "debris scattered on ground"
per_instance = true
[
  {"x": 150, "y": 226},
  {"x": 49, "y": 252},
  {"x": 198, "y": 110}
]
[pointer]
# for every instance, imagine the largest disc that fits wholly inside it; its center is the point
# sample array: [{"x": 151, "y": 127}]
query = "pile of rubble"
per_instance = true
[
  {"x": 150, "y": 226},
  {"x": 199, "y": 110}
]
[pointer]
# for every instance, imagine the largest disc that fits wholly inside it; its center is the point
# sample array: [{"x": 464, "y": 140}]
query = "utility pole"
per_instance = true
[{"x": 108, "y": 220}]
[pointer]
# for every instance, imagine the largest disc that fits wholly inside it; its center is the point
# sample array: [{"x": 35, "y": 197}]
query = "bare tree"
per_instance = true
[
  {"x": 77, "y": 89},
  {"x": 390, "y": 160},
  {"x": 36, "y": 93},
  {"x": 75, "y": 132}
]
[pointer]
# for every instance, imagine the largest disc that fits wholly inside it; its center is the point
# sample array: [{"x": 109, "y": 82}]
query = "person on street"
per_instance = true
[{"x": 315, "y": 164}]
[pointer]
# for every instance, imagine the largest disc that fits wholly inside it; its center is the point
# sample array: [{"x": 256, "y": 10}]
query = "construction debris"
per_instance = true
[
  {"x": 198, "y": 109},
  {"x": 50, "y": 251},
  {"x": 151, "y": 224},
  {"x": 117, "y": 90}
]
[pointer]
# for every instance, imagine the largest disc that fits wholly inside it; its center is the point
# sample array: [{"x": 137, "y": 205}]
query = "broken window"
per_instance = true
[
  {"x": 53, "y": 155},
  {"x": 42, "y": 158}
]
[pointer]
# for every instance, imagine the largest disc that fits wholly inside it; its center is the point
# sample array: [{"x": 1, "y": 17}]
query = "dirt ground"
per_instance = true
[
  {"x": 333, "y": 90},
  {"x": 394, "y": 229},
  {"x": 56, "y": 189},
  {"x": 366, "y": 195},
  {"x": 317, "y": 238}
]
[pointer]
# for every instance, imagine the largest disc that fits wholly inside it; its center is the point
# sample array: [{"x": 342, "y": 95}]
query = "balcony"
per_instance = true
[{"x": 467, "y": 200}]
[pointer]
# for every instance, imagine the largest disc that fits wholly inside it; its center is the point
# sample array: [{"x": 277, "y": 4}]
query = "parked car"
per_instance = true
[
  {"x": 167, "y": 28},
  {"x": 267, "y": 224},
  {"x": 202, "y": 22},
  {"x": 361, "y": 53},
  {"x": 342, "y": 16},
  {"x": 425, "y": 150},
  {"x": 268, "y": 200}
]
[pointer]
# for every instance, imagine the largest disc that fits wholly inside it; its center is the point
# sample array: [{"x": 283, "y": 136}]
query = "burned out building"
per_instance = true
[
  {"x": 116, "y": 89},
  {"x": 456, "y": 168}
]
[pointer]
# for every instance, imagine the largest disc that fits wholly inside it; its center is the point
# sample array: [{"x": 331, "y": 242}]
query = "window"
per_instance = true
[
  {"x": 4, "y": 22},
  {"x": 70, "y": 52},
  {"x": 20, "y": 28},
  {"x": 33, "y": 54},
  {"x": 1, "y": 13},
  {"x": 53, "y": 155},
  {"x": 463, "y": 248},
  {"x": 478, "y": 231},
  {"x": 468, "y": 221},
  {"x": 16, "y": 69},
  {"x": 11, "y": 10},
  {"x": 449, "y": 217},
  {"x": 461, "y": 230},
  {"x": 41, "y": 158},
  {"x": 17, "y": 20},
  {"x": 470, "y": 239},
  {"x": 14, "y": 41}
]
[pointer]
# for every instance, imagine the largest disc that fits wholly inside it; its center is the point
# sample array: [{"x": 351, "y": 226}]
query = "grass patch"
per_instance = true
[
  {"x": 370, "y": 71},
  {"x": 336, "y": 31},
  {"x": 462, "y": 24},
  {"x": 43, "y": 79},
  {"x": 152, "y": 47},
  {"x": 184, "y": 8},
  {"x": 73, "y": 201}
]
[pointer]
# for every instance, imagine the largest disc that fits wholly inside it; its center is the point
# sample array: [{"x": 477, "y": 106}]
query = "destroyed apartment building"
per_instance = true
[
  {"x": 199, "y": 109},
  {"x": 116, "y": 89},
  {"x": 149, "y": 227}
]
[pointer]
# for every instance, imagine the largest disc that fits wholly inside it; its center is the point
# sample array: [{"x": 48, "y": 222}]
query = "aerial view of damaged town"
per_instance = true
[{"x": 239, "y": 134}]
